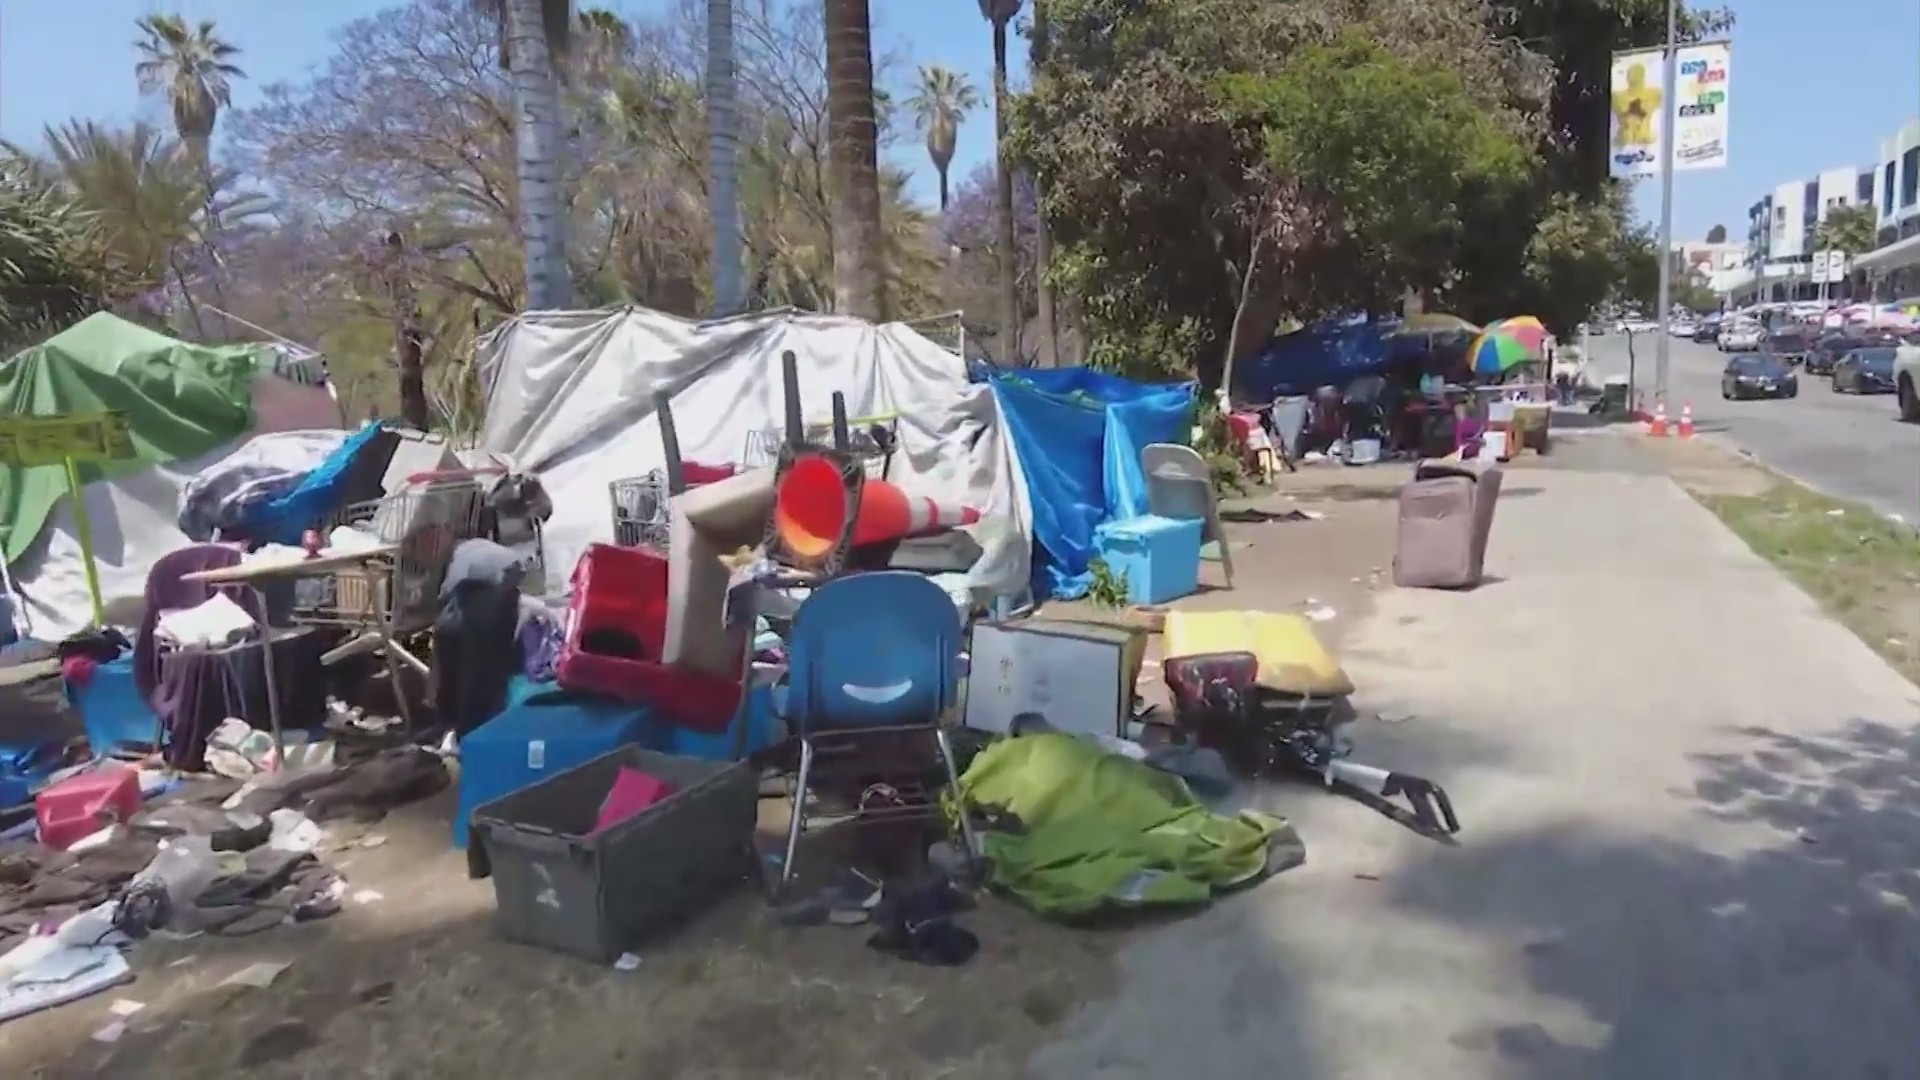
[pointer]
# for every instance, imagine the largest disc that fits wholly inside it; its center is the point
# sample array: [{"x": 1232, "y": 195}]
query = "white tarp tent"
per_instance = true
[
  {"x": 134, "y": 520},
  {"x": 570, "y": 398}
]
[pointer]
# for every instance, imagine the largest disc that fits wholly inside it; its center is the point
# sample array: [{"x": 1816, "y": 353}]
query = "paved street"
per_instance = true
[{"x": 1852, "y": 447}]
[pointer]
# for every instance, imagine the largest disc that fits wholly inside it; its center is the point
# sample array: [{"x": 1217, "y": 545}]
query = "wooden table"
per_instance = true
[{"x": 255, "y": 575}]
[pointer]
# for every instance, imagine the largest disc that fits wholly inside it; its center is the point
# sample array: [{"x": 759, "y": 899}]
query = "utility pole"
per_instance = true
[{"x": 1670, "y": 80}]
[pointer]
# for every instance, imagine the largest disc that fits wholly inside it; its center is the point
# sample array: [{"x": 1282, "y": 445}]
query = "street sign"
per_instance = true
[
  {"x": 1829, "y": 267},
  {"x": 27, "y": 441}
]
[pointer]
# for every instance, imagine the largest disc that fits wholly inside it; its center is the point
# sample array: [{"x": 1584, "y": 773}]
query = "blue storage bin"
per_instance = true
[
  {"x": 112, "y": 709},
  {"x": 1159, "y": 557},
  {"x": 533, "y": 739}
]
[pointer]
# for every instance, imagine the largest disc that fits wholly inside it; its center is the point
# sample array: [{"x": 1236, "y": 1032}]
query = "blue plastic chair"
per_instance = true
[{"x": 870, "y": 655}]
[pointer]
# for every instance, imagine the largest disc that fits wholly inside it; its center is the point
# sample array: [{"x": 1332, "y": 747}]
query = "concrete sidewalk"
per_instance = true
[{"x": 1691, "y": 816}]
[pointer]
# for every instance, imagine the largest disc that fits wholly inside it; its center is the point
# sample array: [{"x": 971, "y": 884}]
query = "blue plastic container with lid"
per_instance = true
[
  {"x": 535, "y": 737},
  {"x": 1159, "y": 557}
]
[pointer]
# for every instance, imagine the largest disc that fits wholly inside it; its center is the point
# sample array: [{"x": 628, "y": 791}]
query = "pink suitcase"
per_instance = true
[{"x": 1446, "y": 516}]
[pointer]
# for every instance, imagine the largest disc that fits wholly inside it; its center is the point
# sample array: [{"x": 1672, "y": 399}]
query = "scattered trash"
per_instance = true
[
  {"x": 258, "y": 975},
  {"x": 124, "y": 1007},
  {"x": 1393, "y": 717},
  {"x": 1836, "y": 513},
  {"x": 293, "y": 831},
  {"x": 1366, "y": 877},
  {"x": 1323, "y": 613},
  {"x": 1805, "y": 836},
  {"x": 626, "y": 962},
  {"x": 373, "y": 841},
  {"x": 367, "y": 896},
  {"x": 111, "y": 1033},
  {"x": 377, "y": 993}
]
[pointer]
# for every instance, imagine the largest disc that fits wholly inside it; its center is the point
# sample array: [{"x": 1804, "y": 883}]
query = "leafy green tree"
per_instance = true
[
  {"x": 55, "y": 268},
  {"x": 1717, "y": 234},
  {"x": 1145, "y": 137},
  {"x": 1368, "y": 160}
]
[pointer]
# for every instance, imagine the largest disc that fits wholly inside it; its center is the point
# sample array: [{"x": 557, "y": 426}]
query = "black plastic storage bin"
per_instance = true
[{"x": 593, "y": 896}]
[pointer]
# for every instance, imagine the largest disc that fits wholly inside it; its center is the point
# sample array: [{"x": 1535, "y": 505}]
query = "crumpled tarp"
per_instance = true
[
  {"x": 1323, "y": 354},
  {"x": 1078, "y": 434},
  {"x": 180, "y": 401},
  {"x": 1099, "y": 831}
]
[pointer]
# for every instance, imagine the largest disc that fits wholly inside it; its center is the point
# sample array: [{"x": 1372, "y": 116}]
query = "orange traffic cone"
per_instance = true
[
  {"x": 822, "y": 508},
  {"x": 1686, "y": 422},
  {"x": 1658, "y": 428}
]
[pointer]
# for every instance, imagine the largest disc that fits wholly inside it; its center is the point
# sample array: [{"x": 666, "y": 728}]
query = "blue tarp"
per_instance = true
[
  {"x": 1078, "y": 435},
  {"x": 1323, "y": 354},
  {"x": 284, "y": 518}
]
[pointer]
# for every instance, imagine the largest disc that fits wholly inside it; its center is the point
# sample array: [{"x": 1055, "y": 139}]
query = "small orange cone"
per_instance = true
[
  {"x": 1658, "y": 428},
  {"x": 1686, "y": 422}
]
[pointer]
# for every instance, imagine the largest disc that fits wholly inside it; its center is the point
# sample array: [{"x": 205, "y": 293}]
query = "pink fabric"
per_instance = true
[{"x": 632, "y": 792}]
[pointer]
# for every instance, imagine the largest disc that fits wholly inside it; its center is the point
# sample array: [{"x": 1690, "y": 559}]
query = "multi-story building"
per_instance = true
[
  {"x": 1892, "y": 269},
  {"x": 1781, "y": 230}
]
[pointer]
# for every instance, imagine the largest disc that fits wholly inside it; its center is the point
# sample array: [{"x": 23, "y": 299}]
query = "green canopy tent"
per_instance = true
[
  {"x": 183, "y": 405},
  {"x": 179, "y": 400}
]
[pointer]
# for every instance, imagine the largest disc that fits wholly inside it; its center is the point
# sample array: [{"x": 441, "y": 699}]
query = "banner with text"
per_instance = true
[{"x": 1697, "y": 108}]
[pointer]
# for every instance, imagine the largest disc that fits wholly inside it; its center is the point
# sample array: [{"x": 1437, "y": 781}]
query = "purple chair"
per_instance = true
[{"x": 189, "y": 691}]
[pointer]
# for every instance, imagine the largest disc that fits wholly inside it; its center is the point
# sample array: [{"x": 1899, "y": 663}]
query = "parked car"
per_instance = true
[
  {"x": 1789, "y": 346},
  {"x": 1707, "y": 333},
  {"x": 1828, "y": 350},
  {"x": 1681, "y": 328},
  {"x": 1741, "y": 337},
  {"x": 1906, "y": 381},
  {"x": 1757, "y": 375},
  {"x": 1865, "y": 371}
]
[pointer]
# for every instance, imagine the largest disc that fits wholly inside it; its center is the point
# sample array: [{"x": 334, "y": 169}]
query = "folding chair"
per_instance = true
[
  {"x": 1180, "y": 486},
  {"x": 873, "y": 670}
]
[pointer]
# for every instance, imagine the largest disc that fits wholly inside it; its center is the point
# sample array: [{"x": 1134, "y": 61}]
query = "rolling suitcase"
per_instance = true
[{"x": 1446, "y": 516}]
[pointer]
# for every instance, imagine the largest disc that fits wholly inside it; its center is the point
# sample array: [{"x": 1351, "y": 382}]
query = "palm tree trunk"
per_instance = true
[
  {"x": 943, "y": 188},
  {"x": 539, "y": 145},
  {"x": 1049, "y": 345},
  {"x": 853, "y": 158},
  {"x": 723, "y": 135},
  {"x": 1003, "y": 212}
]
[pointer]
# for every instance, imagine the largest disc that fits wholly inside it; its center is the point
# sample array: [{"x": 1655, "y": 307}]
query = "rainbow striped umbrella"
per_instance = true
[{"x": 1506, "y": 344}]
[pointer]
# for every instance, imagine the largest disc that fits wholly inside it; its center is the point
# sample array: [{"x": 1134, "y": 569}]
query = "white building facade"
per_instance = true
[
  {"x": 1892, "y": 269},
  {"x": 1781, "y": 231}
]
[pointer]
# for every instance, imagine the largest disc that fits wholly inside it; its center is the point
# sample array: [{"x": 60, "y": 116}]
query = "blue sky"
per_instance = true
[{"x": 1813, "y": 86}]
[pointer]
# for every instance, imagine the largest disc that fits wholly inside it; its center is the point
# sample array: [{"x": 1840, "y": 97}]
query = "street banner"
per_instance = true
[{"x": 1641, "y": 102}]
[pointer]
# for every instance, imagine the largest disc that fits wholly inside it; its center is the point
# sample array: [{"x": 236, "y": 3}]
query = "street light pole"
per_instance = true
[{"x": 1669, "y": 113}]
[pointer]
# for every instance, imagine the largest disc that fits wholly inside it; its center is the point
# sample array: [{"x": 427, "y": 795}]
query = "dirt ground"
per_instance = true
[
  {"x": 1861, "y": 568},
  {"x": 412, "y": 983}
]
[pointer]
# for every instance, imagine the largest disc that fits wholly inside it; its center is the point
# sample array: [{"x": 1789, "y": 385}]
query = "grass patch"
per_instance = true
[{"x": 1859, "y": 566}]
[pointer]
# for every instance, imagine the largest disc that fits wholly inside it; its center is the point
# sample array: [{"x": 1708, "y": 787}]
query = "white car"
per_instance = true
[
  {"x": 1906, "y": 381},
  {"x": 1741, "y": 337},
  {"x": 1680, "y": 329}
]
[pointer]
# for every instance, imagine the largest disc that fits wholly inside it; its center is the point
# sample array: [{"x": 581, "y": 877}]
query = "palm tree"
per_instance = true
[
  {"x": 194, "y": 69},
  {"x": 156, "y": 203},
  {"x": 853, "y": 159},
  {"x": 943, "y": 100},
  {"x": 723, "y": 137},
  {"x": 1847, "y": 229},
  {"x": 53, "y": 271},
  {"x": 1048, "y": 350},
  {"x": 534, "y": 36},
  {"x": 1000, "y": 13}
]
